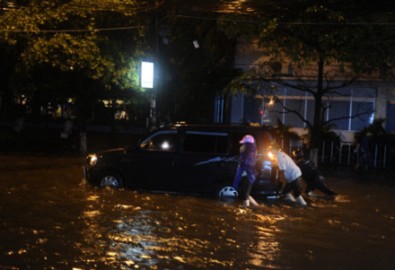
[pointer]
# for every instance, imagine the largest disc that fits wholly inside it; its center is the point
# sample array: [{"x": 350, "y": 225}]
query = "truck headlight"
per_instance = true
[{"x": 92, "y": 159}]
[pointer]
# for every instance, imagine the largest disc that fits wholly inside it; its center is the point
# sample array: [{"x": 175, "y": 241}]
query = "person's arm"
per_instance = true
[
  {"x": 280, "y": 181},
  {"x": 281, "y": 177}
]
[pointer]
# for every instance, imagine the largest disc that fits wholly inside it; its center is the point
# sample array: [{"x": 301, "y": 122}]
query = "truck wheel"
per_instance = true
[
  {"x": 227, "y": 192},
  {"x": 111, "y": 180}
]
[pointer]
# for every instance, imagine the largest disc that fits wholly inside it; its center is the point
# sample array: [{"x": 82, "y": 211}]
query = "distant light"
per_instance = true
[
  {"x": 147, "y": 75},
  {"x": 196, "y": 44},
  {"x": 371, "y": 118}
]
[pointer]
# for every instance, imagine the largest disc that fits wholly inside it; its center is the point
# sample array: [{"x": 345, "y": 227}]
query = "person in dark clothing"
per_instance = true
[
  {"x": 246, "y": 165},
  {"x": 310, "y": 173},
  {"x": 363, "y": 152}
]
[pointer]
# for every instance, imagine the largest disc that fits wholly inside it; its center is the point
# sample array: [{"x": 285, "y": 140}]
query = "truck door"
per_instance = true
[
  {"x": 203, "y": 160},
  {"x": 158, "y": 158}
]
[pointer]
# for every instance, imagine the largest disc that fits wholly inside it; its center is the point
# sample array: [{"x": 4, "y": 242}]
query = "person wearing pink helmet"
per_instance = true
[{"x": 246, "y": 165}]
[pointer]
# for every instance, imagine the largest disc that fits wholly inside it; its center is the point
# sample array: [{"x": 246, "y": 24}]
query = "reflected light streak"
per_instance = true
[
  {"x": 263, "y": 249},
  {"x": 267, "y": 247},
  {"x": 236, "y": 7}
]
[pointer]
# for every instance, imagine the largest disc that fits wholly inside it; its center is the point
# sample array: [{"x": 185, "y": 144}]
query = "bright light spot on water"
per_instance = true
[
  {"x": 334, "y": 222},
  {"x": 92, "y": 214},
  {"x": 129, "y": 262},
  {"x": 178, "y": 258},
  {"x": 124, "y": 206},
  {"x": 111, "y": 254},
  {"x": 93, "y": 198}
]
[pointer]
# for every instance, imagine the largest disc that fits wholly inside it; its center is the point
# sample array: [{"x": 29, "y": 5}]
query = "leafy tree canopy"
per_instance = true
[{"x": 81, "y": 36}]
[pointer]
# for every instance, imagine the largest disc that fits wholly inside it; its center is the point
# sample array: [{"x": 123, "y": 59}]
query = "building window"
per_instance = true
[
  {"x": 350, "y": 108},
  {"x": 339, "y": 110},
  {"x": 297, "y": 105},
  {"x": 362, "y": 113},
  {"x": 390, "y": 120}
]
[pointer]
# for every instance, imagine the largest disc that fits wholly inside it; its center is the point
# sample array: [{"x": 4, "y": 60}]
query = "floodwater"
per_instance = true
[{"x": 51, "y": 219}]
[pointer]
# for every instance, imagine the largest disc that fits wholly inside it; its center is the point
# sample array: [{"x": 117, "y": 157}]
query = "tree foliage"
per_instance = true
[
  {"x": 94, "y": 44},
  {"x": 80, "y": 36},
  {"x": 103, "y": 41}
]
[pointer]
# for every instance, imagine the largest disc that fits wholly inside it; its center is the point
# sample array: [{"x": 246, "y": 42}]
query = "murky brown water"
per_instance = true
[{"x": 50, "y": 219}]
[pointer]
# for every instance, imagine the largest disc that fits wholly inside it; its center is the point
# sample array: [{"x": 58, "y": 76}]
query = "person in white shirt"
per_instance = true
[{"x": 290, "y": 172}]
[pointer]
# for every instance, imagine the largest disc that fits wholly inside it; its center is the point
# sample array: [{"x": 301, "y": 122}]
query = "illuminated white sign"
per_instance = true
[{"x": 147, "y": 75}]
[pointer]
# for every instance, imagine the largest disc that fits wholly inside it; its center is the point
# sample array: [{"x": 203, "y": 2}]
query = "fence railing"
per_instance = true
[{"x": 348, "y": 154}]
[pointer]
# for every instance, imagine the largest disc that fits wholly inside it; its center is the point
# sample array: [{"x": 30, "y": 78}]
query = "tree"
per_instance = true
[
  {"x": 358, "y": 38},
  {"x": 76, "y": 34},
  {"x": 85, "y": 39},
  {"x": 196, "y": 60}
]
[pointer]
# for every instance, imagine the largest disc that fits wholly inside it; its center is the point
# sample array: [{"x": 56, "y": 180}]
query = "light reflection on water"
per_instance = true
[{"x": 178, "y": 232}]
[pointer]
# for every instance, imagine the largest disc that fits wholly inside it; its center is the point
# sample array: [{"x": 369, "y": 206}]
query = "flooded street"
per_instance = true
[{"x": 51, "y": 219}]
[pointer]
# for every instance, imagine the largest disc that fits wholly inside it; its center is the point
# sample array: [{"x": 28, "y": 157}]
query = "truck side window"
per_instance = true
[
  {"x": 163, "y": 141},
  {"x": 205, "y": 142}
]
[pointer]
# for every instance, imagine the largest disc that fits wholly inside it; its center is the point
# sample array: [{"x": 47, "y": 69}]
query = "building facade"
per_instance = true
[{"x": 350, "y": 108}]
